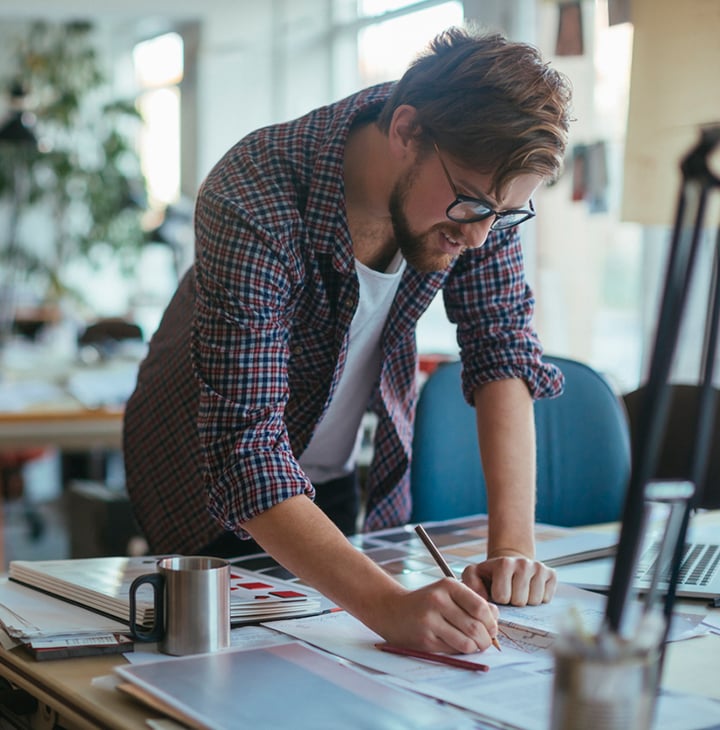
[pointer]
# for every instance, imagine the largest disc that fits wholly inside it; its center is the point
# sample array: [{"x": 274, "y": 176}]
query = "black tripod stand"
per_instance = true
[{"x": 681, "y": 496}]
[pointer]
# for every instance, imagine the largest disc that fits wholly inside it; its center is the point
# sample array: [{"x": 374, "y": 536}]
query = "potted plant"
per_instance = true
[{"x": 73, "y": 187}]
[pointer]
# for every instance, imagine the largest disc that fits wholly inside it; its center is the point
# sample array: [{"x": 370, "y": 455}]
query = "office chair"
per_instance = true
[
  {"x": 678, "y": 439},
  {"x": 105, "y": 335},
  {"x": 583, "y": 450}
]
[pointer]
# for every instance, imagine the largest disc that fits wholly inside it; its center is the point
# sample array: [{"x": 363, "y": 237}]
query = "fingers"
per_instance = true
[
  {"x": 512, "y": 580},
  {"x": 476, "y": 621},
  {"x": 450, "y": 617}
]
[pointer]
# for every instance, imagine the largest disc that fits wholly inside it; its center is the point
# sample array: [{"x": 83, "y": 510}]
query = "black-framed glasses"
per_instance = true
[{"x": 466, "y": 209}]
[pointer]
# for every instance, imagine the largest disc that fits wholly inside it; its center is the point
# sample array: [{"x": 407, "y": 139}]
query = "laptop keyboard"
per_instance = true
[{"x": 699, "y": 564}]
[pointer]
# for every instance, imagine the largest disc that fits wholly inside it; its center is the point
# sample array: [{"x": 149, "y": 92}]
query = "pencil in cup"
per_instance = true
[{"x": 443, "y": 564}]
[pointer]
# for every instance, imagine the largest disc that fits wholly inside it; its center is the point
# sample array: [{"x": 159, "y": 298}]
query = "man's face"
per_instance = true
[{"x": 428, "y": 240}]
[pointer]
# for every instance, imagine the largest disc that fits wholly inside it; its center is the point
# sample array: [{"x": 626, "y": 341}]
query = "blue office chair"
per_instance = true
[{"x": 583, "y": 450}]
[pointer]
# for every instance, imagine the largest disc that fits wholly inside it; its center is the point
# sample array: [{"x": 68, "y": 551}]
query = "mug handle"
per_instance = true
[{"x": 156, "y": 631}]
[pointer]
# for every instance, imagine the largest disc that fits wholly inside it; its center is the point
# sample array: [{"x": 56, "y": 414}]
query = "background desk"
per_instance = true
[
  {"x": 74, "y": 439},
  {"x": 66, "y": 414},
  {"x": 64, "y": 426},
  {"x": 46, "y": 400}
]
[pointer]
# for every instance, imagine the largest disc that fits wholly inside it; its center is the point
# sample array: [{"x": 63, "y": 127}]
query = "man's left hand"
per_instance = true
[{"x": 512, "y": 579}]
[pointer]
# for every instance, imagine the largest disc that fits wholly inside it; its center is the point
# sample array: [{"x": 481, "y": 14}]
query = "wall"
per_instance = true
[
  {"x": 261, "y": 63},
  {"x": 595, "y": 277}
]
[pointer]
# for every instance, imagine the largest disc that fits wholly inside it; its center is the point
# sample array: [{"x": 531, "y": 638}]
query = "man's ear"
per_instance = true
[{"x": 403, "y": 131}]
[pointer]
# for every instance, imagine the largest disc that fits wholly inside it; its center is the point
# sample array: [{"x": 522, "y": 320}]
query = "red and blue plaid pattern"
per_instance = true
[{"x": 251, "y": 348}]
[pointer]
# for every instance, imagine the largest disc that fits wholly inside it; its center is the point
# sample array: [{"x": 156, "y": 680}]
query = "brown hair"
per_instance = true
[{"x": 491, "y": 104}]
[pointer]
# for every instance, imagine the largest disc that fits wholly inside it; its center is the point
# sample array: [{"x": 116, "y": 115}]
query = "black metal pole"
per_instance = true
[{"x": 652, "y": 418}]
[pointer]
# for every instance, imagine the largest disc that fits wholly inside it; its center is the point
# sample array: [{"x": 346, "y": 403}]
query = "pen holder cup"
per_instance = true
[
  {"x": 612, "y": 690},
  {"x": 191, "y": 605}
]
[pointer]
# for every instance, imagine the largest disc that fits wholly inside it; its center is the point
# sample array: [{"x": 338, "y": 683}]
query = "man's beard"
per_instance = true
[{"x": 414, "y": 246}]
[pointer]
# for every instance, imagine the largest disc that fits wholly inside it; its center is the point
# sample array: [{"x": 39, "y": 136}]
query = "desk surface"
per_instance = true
[
  {"x": 65, "y": 426},
  {"x": 66, "y": 687}
]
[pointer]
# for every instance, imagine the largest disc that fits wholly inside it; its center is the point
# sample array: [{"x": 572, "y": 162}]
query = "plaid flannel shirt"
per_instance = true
[{"x": 251, "y": 348}]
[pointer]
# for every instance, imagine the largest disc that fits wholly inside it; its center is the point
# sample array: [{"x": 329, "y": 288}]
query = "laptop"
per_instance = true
[{"x": 699, "y": 573}]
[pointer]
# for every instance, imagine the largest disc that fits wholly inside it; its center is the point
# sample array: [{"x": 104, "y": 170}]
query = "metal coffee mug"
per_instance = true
[{"x": 191, "y": 605}]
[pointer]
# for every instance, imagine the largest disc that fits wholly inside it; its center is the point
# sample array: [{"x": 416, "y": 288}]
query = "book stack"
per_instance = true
[{"x": 103, "y": 585}]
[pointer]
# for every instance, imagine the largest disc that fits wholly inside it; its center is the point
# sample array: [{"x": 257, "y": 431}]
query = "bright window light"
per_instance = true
[
  {"x": 159, "y": 61},
  {"x": 160, "y": 144},
  {"x": 159, "y": 69},
  {"x": 386, "y": 48}
]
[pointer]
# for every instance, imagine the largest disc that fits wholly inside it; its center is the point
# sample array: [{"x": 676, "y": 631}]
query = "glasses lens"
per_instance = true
[
  {"x": 511, "y": 218},
  {"x": 468, "y": 211}
]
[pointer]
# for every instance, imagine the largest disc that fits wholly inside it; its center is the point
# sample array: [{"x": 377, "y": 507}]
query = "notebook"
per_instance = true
[{"x": 699, "y": 573}]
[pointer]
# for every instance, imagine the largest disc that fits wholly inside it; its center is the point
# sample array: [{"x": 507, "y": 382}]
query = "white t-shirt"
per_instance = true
[{"x": 333, "y": 449}]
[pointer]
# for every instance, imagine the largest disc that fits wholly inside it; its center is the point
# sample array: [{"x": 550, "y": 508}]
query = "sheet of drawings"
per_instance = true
[{"x": 523, "y": 671}]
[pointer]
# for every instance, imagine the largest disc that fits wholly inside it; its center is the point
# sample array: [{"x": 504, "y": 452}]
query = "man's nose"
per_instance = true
[{"x": 476, "y": 233}]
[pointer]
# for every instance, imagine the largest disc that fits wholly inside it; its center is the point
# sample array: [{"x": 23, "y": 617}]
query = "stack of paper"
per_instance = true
[
  {"x": 103, "y": 585},
  {"x": 54, "y": 629}
]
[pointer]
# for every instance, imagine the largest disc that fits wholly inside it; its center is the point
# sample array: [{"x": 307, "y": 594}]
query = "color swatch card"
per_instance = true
[{"x": 253, "y": 597}]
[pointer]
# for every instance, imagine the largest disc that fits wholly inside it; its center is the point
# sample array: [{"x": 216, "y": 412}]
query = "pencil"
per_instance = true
[
  {"x": 442, "y": 563},
  {"x": 439, "y": 658},
  {"x": 432, "y": 549}
]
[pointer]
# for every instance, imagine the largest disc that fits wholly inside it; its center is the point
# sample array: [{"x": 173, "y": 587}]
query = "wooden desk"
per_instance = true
[
  {"x": 67, "y": 697},
  {"x": 65, "y": 426},
  {"x": 66, "y": 692},
  {"x": 65, "y": 405}
]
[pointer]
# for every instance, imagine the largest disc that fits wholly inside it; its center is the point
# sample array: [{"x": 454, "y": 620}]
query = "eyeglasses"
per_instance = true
[{"x": 465, "y": 209}]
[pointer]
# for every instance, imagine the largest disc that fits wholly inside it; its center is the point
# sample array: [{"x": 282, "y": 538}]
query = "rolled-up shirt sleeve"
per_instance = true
[
  {"x": 489, "y": 299},
  {"x": 240, "y": 350}
]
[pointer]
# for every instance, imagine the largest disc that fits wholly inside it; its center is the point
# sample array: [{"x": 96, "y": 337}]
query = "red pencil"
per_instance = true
[{"x": 440, "y": 658}]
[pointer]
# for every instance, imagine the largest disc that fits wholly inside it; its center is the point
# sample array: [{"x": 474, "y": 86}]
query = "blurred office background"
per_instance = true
[{"x": 202, "y": 75}]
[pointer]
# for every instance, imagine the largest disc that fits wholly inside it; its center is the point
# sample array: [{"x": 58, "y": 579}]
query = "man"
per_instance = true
[{"x": 319, "y": 243}]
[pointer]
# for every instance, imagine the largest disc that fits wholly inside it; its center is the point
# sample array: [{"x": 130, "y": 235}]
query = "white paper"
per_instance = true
[
  {"x": 245, "y": 637},
  {"x": 518, "y": 689},
  {"x": 26, "y": 613}
]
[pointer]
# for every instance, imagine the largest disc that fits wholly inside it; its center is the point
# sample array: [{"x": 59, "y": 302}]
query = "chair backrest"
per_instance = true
[
  {"x": 583, "y": 450},
  {"x": 110, "y": 330},
  {"x": 679, "y": 437}
]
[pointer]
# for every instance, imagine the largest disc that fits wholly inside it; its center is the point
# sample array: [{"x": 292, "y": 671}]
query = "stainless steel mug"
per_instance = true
[{"x": 191, "y": 605}]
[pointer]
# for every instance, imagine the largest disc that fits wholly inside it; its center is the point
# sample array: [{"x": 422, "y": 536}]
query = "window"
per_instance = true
[
  {"x": 159, "y": 70},
  {"x": 386, "y": 46},
  {"x": 158, "y": 65}
]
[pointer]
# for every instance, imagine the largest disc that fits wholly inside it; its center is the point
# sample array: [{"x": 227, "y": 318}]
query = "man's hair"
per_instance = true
[{"x": 493, "y": 105}]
